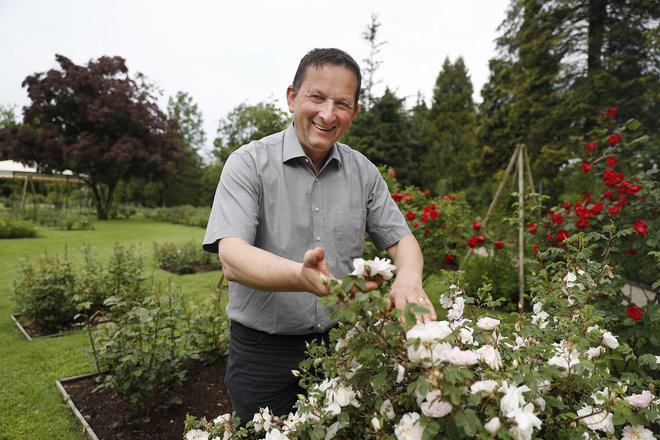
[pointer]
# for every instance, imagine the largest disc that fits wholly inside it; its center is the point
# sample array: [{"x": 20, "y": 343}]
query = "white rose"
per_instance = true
[
  {"x": 466, "y": 335},
  {"x": 636, "y": 433},
  {"x": 596, "y": 419},
  {"x": 197, "y": 434},
  {"x": 387, "y": 409},
  {"x": 487, "y": 323},
  {"x": 275, "y": 434},
  {"x": 375, "y": 422},
  {"x": 642, "y": 400},
  {"x": 332, "y": 430},
  {"x": 488, "y": 386},
  {"x": 594, "y": 352},
  {"x": 373, "y": 268},
  {"x": 513, "y": 398},
  {"x": 490, "y": 356},
  {"x": 400, "y": 373},
  {"x": 456, "y": 356},
  {"x": 609, "y": 340},
  {"x": 526, "y": 421},
  {"x": 434, "y": 407},
  {"x": 409, "y": 427},
  {"x": 493, "y": 425}
]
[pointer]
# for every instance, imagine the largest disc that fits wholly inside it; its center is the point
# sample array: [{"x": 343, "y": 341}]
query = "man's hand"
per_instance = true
[
  {"x": 405, "y": 292},
  {"x": 314, "y": 268}
]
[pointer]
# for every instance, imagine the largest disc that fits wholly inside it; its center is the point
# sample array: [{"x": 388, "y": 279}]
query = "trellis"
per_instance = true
[{"x": 521, "y": 159}]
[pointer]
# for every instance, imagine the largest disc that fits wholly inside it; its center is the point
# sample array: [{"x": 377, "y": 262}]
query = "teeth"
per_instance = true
[{"x": 321, "y": 128}]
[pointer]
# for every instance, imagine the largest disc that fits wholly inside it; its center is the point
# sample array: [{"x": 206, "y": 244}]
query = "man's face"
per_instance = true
[{"x": 323, "y": 108}]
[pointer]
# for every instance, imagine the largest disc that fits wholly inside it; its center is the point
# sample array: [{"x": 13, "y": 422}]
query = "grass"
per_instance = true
[{"x": 30, "y": 405}]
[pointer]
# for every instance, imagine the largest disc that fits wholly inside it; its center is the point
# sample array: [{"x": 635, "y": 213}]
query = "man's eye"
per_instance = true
[
  {"x": 343, "y": 105},
  {"x": 316, "y": 98}
]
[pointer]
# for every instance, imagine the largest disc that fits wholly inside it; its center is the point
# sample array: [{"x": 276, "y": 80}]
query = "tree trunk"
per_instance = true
[{"x": 597, "y": 15}]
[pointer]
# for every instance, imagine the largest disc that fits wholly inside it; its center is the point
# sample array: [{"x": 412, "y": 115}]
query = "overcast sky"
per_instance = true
[{"x": 224, "y": 53}]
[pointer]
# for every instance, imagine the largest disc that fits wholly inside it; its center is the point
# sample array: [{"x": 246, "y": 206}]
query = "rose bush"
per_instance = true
[{"x": 555, "y": 372}]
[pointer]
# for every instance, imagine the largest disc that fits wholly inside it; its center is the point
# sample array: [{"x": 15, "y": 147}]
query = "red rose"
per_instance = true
[
  {"x": 611, "y": 178},
  {"x": 614, "y": 139},
  {"x": 449, "y": 258},
  {"x": 397, "y": 197},
  {"x": 499, "y": 244},
  {"x": 597, "y": 208},
  {"x": 562, "y": 235},
  {"x": 425, "y": 217},
  {"x": 640, "y": 226},
  {"x": 590, "y": 146},
  {"x": 411, "y": 215},
  {"x": 532, "y": 228},
  {"x": 481, "y": 239},
  {"x": 611, "y": 161},
  {"x": 415, "y": 225},
  {"x": 612, "y": 210},
  {"x": 426, "y": 192},
  {"x": 611, "y": 112},
  {"x": 586, "y": 167},
  {"x": 408, "y": 198},
  {"x": 549, "y": 236},
  {"x": 476, "y": 225},
  {"x": 427, "y": 232},
  {"x": 635, "y": 313},
  {"x": 393, "y": 172},
  {"x": 633, "y": 189},
  {"x": 609, "y": 195},
  {"x": 535, "y": 249},
  {"x": 434, "y": 213},
  {"x": 446, "y": 198},
  {"x": 582, "y": 223},
  {"x": 473, "y": 242},
  {"x": 566, "y": 205},
  {"x": 557, "y": 219},
  {"x": 630, "y": 251}
]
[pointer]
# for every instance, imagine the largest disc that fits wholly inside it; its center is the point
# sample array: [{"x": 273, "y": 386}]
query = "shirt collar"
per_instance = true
[{"x": 292, "y": 148}]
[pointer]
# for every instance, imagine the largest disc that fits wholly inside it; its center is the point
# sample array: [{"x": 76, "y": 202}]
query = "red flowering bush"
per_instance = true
[{"x": 617, "y": 209}]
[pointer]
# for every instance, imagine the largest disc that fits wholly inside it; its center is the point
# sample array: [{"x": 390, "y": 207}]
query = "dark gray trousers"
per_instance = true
[{"x": 259, "y": 370}]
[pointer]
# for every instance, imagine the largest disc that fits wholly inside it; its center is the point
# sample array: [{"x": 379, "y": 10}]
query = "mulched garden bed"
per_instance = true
[
  {"x": 204, "y": 395},
  {"x": 31, "y": 329}
]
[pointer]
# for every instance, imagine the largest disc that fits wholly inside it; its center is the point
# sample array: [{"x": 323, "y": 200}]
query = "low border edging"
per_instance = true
[
  {"x": 14, "y": 318},
  {"x": 89, "y": 432}
]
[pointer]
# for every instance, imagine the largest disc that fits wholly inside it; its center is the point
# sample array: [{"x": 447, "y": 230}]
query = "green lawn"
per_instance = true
[{"x": 30, "y": 406}]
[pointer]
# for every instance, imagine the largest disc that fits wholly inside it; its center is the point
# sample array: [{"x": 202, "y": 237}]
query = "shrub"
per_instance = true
[
  {"x": 45, "y": 293},
  {"x": 184, "y": 214},
  {"x": 182, "y": 258},
  {"x": 144, "y": 344},
  {"x": 125, "y": 273},
  {"x": 498, "y": 271},
  {"x": 555, "y": 373},
  {"x": 15, "y": 228},
  {"x": 143, "y": 349}
]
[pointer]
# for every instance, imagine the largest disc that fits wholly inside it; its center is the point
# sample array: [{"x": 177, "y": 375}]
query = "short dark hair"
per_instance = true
[{"x": 324, "y": 57}]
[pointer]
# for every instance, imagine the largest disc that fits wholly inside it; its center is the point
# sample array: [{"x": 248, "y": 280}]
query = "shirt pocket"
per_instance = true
[{"x": 349, "y": 228}]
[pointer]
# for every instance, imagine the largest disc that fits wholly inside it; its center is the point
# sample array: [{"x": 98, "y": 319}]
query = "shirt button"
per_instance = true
[
  {"x": 318, "y": 238},
  {"x": 317, "y": 209},
  {"x": 319, "y": 326},
  {"x": 316, "y": 179}
]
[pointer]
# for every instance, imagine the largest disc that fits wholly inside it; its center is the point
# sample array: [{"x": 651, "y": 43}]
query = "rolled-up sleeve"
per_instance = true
[{"x": 235, "y": 211}]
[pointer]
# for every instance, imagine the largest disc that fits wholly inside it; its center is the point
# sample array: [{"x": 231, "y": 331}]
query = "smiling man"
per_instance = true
[{"x": 289, "y": 208}]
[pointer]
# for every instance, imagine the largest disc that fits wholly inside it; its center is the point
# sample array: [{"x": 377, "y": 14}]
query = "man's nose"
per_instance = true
[{"x": 327, "y": 110}]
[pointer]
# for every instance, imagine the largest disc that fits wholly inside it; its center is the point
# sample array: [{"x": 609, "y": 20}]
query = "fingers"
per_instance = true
[{"x": 314, "y": 257}]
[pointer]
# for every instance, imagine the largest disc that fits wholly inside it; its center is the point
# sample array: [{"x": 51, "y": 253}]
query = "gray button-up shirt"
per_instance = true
[{"x": 270, "y": 196}]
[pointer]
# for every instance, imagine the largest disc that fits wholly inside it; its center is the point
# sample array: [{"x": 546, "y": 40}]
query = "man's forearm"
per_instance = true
[
  {"x": 256, "y": 268},
  {"x": 408, "y": 259}
]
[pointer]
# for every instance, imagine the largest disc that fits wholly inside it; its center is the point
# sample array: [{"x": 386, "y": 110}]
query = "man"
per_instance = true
[{"x": 290, "y": 208}]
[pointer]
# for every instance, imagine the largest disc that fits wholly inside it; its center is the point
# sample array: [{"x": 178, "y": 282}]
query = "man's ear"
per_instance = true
[{"x": 291, "y": 98}]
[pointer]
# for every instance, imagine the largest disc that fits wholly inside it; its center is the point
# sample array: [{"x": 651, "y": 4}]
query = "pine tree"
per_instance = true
[{"x": 449, "y": 130}]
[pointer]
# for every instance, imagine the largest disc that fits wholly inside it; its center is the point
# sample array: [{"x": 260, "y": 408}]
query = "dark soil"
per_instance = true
[
  {"x": 111, "y": 418},
  {"x": 199, "y": 268},
  {"x": 35, "y": 330}
]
